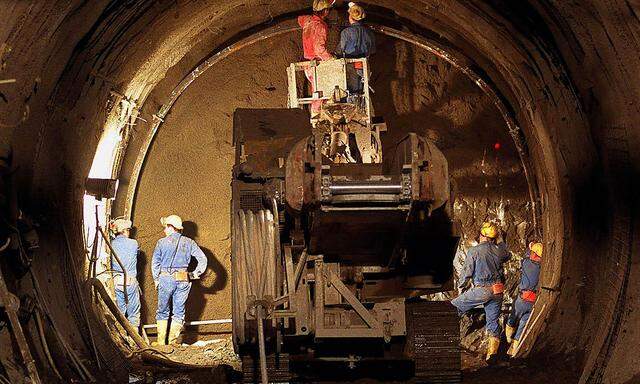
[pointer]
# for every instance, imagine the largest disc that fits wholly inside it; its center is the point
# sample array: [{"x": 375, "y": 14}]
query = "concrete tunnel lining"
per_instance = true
[{"x": 540, "y": 99}]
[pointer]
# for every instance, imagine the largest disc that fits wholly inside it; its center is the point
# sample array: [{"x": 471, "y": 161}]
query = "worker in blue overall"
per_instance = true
[
  {"x": 483, "y": 267},
  {"x": 127, "y": 251},
  {"x": 356, "y": 41},
  {"x": 171, "y": 258},
  {"x": 530, "y": 272}
]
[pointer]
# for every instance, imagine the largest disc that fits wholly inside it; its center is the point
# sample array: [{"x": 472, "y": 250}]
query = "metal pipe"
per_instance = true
[
  {"x": 261, "y": 345},
  {"x": 344, "y": 189},
  {"x": 85, "y": 374},
  {"x": 11, "y": 305},
  {"x": 8, "y": 81},
  {"x": 94, "y": 249},
  {"x": 83, "y": 307},
  {"x": 6, "y": 244},
  {"x": 299, "y": 269},
  {"x": 97, "y": 284},
  {"x": 45, "y": 345},
  {"x": 115, "y": 255},
  {"x": 278, "y": 251}
]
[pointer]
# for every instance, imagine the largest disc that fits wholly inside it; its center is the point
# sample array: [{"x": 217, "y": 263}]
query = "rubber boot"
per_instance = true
[
  {"x": 514, "y": 347},
  {"x": 162, "y": 333},
  {"x": 509, "y": 332},
  {"x": 492, "y": 349},
  {"x": 174, "y": 332}
]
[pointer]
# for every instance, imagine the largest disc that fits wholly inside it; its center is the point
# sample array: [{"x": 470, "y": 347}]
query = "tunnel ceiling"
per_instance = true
[{"x": 564, "y": 70}]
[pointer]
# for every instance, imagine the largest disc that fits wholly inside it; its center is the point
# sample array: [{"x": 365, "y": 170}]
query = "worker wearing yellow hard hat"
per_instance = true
[
  {"x": 523, "y": 305},
  {"x": 171, "y": 258},
  {"x": 483, "y": 267}
]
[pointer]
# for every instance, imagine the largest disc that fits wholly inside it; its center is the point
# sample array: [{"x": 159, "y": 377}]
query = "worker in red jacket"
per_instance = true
[{"x": 314, "y": 41}]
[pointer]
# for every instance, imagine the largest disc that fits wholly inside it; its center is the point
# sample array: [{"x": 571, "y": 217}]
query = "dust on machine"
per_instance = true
[{"x": 337, "y": 233}]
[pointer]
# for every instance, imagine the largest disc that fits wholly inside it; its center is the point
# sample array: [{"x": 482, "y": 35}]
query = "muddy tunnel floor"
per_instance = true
[{"x": 220, "y": 368}]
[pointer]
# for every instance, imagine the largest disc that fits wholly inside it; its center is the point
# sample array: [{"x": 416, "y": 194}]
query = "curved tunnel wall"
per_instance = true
[
  {"x": 188, "y": 165},
  {"x": 569, "y": 85}
]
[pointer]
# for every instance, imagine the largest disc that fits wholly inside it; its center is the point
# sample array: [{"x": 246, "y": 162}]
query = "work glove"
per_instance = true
[{"x": 193, "y": 276}]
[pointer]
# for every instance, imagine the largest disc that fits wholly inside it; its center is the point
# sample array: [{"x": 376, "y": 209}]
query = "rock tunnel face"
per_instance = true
[{"x": 109, "y": 90}]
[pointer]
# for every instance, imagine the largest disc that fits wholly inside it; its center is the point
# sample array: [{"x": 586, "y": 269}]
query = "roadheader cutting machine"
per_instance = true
[{"x": 337, "y": 238}]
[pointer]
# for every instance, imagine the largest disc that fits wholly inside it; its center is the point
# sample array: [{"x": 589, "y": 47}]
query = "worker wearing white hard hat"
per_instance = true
[
  {"x": 126, "y": 250},
  {"x": 357, "y": 41},
  {"x": 170, "y": 261}
]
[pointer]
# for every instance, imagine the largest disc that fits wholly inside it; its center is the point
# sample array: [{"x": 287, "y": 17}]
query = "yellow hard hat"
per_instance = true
[
  {"x": 120, "y": 225},
  {"x": 173, "y": 220},
  {"x": 489, "y": 230},
  {"x": 321, "y": 5},
  {"x": 356, "y": 12},
  {"x": 536, "y": 248}
]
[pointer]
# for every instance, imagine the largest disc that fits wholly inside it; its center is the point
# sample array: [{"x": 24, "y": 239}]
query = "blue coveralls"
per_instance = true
[
  {"x": 127, "y": 251},
  {"x": 356, "y": 41},
  {"x": 528, "y": 282},
  {"x": 173, "y": 254},
  {"x": 484, "y": 265}
]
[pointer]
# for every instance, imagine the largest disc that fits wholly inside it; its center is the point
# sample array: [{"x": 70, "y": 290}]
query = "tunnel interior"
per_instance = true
[
  {"x": 451, "y": 109},
  {"x": 532, "y": 103}
]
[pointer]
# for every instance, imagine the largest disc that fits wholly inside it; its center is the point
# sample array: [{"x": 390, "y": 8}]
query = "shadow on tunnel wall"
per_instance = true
[
  {"x": 196, "y": 302},
  {"x": 197, "y": 297}
]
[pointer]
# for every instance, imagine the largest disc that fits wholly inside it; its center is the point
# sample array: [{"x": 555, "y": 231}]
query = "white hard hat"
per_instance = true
[
  {"x": 173, "y": 220},
  {"x": 120, "y": 225},
  {"x": 356, "y": 11}
]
